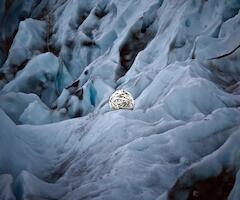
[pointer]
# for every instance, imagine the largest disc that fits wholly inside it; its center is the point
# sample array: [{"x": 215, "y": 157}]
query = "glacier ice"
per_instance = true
[
  {"x": 29, "y": 41},
  {"x": 39, "y": 77},
  {"x": 61, "y": 60},
  {"x": 14, "y": 104}
]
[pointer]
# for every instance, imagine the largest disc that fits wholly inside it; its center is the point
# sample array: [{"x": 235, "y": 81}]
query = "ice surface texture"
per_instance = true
[{"x": 62, "y": 59}]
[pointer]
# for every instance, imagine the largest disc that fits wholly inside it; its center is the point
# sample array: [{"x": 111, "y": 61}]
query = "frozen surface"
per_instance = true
[
  {"x": 29, "y": 41},
  {"x": 60, "y": 61},
  {"x": 14, "y": 104}
]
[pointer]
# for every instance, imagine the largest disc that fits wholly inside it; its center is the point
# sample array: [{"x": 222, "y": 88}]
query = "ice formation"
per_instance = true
[{"x": 61, "y": 60}]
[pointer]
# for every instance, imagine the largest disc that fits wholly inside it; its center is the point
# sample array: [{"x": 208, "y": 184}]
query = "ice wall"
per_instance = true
[{"x": 62, "y": 59}]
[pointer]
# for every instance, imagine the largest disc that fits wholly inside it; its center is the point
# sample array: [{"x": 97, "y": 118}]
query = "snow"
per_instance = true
[{"x": 60, "y": 61}]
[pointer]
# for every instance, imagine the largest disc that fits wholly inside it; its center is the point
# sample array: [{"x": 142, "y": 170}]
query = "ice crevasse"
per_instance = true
[{"x": 61, "y": 60}]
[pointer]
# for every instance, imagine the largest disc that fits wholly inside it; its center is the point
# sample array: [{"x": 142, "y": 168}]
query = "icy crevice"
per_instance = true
[
  {"x": 140, "y": 34},
  {"x": 221, "y": 164}
]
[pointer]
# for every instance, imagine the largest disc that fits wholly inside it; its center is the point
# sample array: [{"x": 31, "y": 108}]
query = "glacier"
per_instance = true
[{"x": 61, "y": 60}]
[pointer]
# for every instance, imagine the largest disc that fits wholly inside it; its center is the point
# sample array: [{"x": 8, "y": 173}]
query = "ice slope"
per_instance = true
[{"x": 62, "y": 59}]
